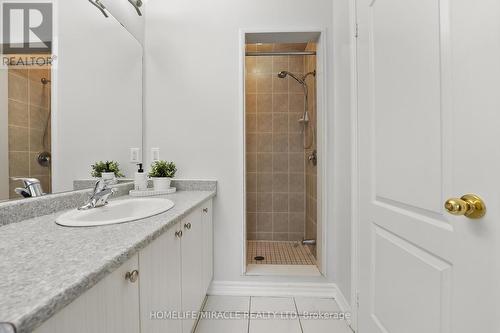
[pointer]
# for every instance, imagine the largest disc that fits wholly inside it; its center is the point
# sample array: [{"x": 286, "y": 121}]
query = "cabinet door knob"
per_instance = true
[
  {"x": 178, "y": 234},
  {"x": 187, "y": 226},
  {"x": 132, "y": 276},
  {"x": 205, "y": 210}
]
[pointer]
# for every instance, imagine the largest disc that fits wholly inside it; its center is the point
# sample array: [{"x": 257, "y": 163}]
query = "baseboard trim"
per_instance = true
[{"x": 344, "y": 305}]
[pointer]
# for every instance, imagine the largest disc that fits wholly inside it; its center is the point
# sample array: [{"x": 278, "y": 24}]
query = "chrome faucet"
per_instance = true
[
  {"x": 32, "y": 188},
  {"x": 99, "y": 198}
]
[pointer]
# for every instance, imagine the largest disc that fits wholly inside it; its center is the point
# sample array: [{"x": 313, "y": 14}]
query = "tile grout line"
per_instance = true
[
  {"x": 249, "y": 313},
  {"x": 29, "y": 122},
  {"x": 288, "y": 152},
  {"x": 298, "y": 314},
  {"x": 272, "y": 149}
]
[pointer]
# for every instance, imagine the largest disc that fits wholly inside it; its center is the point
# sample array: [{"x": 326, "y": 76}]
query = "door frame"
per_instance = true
[
  {"x": 355, "y": 183},
  {"x": 322, "y": 139}
]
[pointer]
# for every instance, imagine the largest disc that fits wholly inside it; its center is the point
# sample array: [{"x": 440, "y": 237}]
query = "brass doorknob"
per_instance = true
[{"x": 470, "y": 205}]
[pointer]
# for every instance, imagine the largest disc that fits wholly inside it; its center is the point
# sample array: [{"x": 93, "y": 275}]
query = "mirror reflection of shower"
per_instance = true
[
  {"x": 28, "y": 148},
  {"x": 44, "y": 157}
]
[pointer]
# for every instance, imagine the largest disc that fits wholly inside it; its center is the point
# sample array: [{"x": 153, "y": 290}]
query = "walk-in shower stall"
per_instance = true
[{"x": 281, "y": 153}]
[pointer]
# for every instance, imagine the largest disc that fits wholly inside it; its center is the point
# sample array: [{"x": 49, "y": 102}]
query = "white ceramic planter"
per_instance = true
[
  {"x": 109, "y": 177},
  {"x": 161, "y": 184}
]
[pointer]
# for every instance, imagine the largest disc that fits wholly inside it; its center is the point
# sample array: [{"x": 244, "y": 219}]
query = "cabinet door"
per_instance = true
[
  {"x": 192, "y": 266},
  {"x": 111, "y": 306},
  {"x": 208, "y": 244},
  {"x": 160, "y": 287}
]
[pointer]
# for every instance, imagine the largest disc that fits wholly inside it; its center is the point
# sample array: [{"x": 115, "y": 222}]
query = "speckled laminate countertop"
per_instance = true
[{"x": 44, "y": 267}]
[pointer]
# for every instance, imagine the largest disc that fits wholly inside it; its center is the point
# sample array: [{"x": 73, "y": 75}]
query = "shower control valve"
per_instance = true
[{"x": 314, "y": 157}]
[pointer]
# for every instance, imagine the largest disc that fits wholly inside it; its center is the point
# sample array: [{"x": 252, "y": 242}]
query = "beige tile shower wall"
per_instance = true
[
  {"x": 276, "y": 189},
  {"x": 28, "y": 103},
  {"x": 311, "y": 143}
]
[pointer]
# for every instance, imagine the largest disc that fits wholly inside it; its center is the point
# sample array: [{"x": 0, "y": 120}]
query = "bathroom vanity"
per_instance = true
[{"x": 143, "y": 276}]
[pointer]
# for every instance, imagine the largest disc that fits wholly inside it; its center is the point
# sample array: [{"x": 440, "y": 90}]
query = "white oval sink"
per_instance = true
[{"x": 119, "y": 211}]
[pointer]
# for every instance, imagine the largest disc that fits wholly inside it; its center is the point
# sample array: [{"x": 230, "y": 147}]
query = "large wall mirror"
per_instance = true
[{"x": 57, "y": 119}]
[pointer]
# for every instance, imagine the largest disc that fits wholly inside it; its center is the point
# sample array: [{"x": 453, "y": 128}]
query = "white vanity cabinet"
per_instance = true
[
  {"x": 110, "y": 306},
  {"x": 208, "y": 244},
  {"x": 174, "y": 273},
  {"x": 193, "y": 291},
  {"x": 160, "y": 270}
]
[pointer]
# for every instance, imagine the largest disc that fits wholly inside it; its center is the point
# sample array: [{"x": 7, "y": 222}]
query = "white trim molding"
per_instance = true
[
  {"x": 354, "y": 168},
  {"x": 345, "y": 307}
]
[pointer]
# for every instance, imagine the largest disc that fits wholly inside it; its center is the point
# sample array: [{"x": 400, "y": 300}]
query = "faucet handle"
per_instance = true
[
  {"x": 101, "y": 185},
  {"x": 100, "y": 196},
  {"x": 23, "y": 192},
  {"x": 27, "y": 181},
  {"x": 98, "y": 185},
  {"x": 32, "y": 187}
]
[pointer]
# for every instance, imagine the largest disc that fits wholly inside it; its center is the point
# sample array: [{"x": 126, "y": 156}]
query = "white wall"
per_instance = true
[
  {"x": 4, "y": 135},
  {"x": 98, "y": 85},
  {"x": 193, "y": 108}
]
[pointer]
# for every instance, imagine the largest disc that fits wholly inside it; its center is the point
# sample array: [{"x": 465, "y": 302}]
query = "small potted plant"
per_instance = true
[
  {"x": 108, "y": 170},
  {"x": 162, "y": 173}
]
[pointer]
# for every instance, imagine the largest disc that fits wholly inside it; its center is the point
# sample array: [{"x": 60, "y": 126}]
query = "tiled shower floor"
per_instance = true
[{"x": 279, "y": 253}]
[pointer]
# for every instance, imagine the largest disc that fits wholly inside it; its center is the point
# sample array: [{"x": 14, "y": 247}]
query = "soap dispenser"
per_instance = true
[{"x": 140, "y": 181}]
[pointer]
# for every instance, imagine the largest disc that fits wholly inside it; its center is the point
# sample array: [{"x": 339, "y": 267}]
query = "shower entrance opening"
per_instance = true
[{"x": 283, "y": 229}]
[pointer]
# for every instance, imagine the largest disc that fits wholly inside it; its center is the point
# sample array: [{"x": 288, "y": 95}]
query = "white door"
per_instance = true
[
  {"x": 192, "y": 267},
  {"x": 160, "y": 273},
  {"x": 429, "y": 130}
]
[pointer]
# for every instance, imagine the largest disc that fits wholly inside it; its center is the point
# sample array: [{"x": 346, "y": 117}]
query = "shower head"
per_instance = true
[
  {"x": 284, "y": 74},
  {"x": 45, "y": 81}
]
